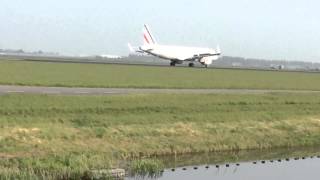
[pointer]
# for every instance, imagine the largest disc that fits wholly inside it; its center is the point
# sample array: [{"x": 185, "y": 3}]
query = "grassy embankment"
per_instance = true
[
  {"x": 98, "y": 75},
  {"x": 64, "y": 136}
]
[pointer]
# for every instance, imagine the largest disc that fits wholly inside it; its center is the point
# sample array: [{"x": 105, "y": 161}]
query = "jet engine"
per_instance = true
[{"x": 208, "y": 60}]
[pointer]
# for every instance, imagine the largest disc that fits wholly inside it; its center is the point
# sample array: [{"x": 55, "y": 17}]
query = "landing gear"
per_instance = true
[
  {"x": 191, "y": 65},
  {"x": 205, "y": 65},
  {"x": 173, "y": 63}
]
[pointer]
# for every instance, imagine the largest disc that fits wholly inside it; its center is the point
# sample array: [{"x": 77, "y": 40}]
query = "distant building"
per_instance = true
[
  {"x": 109, "y": 56},
  {"x": 236, "y": 64}
]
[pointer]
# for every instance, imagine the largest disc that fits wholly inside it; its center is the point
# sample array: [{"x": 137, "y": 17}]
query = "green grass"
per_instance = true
[
  {"x": 146, "y": 167},
  {"x": 72, "y": 166},
  {"x": 98, "y": 75},
  {"x": 65, "y": 136}
]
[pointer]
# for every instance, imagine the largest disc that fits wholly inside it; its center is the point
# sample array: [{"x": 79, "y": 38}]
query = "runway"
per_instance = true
[
  {"x": 8, "y": 89},
  {"x": 127, "y": 62}
]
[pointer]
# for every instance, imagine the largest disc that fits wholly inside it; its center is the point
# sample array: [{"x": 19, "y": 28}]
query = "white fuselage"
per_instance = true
[{"x": 181, "y": 53}]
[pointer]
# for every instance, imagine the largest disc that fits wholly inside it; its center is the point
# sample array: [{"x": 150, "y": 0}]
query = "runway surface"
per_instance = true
[
  {"x": 7, "y": 89},
  {"x": 135, "y": 62}
]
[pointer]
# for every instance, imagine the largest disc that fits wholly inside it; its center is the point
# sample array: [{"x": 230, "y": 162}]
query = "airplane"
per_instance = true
[{"x": 176, "y": 54}]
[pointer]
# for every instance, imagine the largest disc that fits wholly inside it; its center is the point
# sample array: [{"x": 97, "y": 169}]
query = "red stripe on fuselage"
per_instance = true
[{"x": 145, "y": 38}]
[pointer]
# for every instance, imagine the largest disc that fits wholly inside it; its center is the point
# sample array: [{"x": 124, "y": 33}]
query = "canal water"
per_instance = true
[
  {"x": 293, "y": 170},
  {"x": 247, "y": 165}
]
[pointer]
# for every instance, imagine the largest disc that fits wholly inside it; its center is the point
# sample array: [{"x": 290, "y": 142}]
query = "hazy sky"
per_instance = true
[{"x": 270, "y": 29}]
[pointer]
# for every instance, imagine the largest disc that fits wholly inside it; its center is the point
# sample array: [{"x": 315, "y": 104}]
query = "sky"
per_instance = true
[{"x": 265, "y": 29}]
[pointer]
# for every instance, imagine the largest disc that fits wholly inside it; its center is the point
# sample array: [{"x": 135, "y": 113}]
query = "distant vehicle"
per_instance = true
[
  {"x": 277, "y": 67},
  {"x": 176, "y": 54}
]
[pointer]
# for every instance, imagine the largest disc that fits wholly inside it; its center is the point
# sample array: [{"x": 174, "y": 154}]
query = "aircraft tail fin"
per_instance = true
[{"x": 148, "y": 39}]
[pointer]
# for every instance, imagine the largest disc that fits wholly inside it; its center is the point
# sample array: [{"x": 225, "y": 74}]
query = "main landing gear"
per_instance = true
[
  {"x": 173, "y": 63},
  {"x": 205, "y": 65},
  {"x": 191, "y": 65}
]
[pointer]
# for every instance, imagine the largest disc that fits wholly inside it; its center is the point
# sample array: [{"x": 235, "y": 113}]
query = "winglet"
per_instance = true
[
  {"x": 218, "y": 50},
  {"x": 130, "y": 48}
]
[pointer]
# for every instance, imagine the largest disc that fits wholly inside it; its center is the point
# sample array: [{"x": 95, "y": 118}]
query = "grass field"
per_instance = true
[
  {"x": 98, "y": 75},
  {"x": 63, "y": 136}
]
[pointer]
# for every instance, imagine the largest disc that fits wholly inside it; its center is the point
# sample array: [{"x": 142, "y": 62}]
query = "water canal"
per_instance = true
[{"x": 245, "y": 165}]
